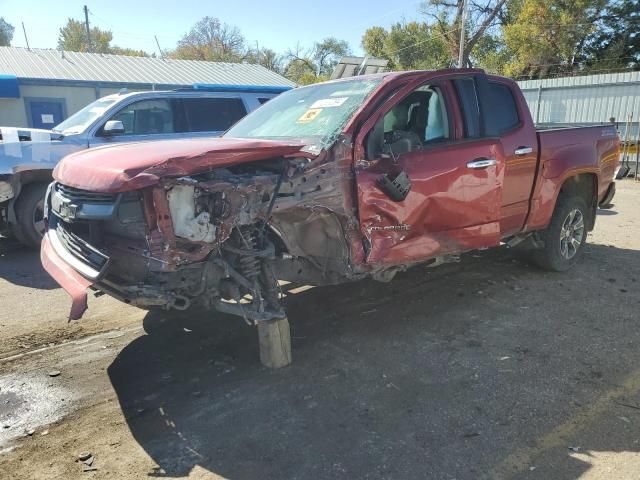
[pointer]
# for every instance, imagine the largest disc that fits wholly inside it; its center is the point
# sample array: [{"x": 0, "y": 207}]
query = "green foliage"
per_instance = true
[
  {"x": 373, "y": 42},
  {"x": 327, "y": 53},
  {"x": 546, "y": 35},
  {"x": 482, "y": 19},
  {"x": 267, "y": 58},
  {"x": 519, "y": 38},
  {"x": 6, "y": 33},
  {"x": 131, "y": 52},
  {"x": 302, "y": 71},
  {"x": 73, "y": 38},
  {"x": 317, "y": 64},
  {"x": 212, "y": 40},
  {"x": 615, "y": 42},
  {"x": 407, "y": 46},
  {"x": 491, "y": 54}
]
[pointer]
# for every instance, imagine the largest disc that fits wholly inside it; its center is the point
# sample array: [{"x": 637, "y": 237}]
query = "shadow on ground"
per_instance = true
[
  {"x": 21, "y": 266},
  {"x": 441, "y": 373}
]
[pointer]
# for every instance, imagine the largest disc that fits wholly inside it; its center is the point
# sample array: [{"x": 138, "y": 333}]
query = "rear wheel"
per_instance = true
[
  {"x": 29, "y": 208},
  {"x": 565, "y": 236}
]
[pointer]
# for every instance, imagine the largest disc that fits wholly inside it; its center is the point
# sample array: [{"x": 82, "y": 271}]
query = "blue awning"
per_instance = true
[{"x": 9, "y": 86}]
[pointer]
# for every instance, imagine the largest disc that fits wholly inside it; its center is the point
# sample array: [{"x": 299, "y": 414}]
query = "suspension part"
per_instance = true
[{"x": 249, "y": 264}]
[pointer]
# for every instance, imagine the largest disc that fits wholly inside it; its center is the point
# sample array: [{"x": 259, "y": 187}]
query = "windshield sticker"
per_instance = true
[
  {"x": 329, "y": 102},
  {"x": 309, "y": 116}
]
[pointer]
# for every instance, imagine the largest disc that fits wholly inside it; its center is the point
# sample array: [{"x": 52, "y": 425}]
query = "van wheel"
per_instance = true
[
  {"x": 565, "y": 236},
  {"x": 29, "y": 208}
]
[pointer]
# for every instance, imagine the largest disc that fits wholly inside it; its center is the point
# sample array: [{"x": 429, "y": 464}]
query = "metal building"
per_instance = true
[
  {"x": 41, "y": 87},
  {"x": 585, "y": 100}
]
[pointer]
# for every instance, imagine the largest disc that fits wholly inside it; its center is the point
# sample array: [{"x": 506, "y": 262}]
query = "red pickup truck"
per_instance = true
[{"x": 329, "y": 183}]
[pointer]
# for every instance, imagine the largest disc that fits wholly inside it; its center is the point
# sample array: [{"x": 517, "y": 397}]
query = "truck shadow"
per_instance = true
[
  {"x": 21, "y": 266},
  {"x": 441, "y": 373}
]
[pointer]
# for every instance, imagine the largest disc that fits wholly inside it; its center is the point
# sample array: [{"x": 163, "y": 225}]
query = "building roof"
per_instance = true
[{"x": 49, "y": 64}]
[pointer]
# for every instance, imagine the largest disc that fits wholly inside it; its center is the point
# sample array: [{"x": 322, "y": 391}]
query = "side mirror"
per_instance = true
[{"x": 113, "y": 127}]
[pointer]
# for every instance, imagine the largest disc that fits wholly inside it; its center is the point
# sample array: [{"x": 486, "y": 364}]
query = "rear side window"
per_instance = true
[
  {"x": 212, "y": 114},
  {"x": 504, "y": 112},
  {"x": 263, "y": 100},
  {"x": 468, "y": 98}
]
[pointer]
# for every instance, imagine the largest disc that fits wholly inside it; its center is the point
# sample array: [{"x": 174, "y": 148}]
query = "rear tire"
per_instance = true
[
  {"x": 29, "y": 208},
  {"x": 565, "y": 236}
]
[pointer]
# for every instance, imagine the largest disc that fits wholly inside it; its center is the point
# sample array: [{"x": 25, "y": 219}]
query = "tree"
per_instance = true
[
  {"x": 73, "y": 38},
  {"x": 316, "y": 64},
  {"x": 615, "y": 41},
  {"x": 6, "y": 33},
  {"x": 407, "y": 46},
  {"x": 212, "y": 40},
  {"x": 373, "y": 42},
  {"x": 447, "y": 17},
  {"x": 491, "y": 54},
  {"x": 302, "y": 71},
  {"x": 266, "y": 57},
  {"x": 548, "y": 36},
  {"x": 327, "y": 53},
  {"x": 130, "y": 52}
]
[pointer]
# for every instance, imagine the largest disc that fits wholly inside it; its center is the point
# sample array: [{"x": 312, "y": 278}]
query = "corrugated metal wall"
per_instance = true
[{"x": 586, "y": 100}]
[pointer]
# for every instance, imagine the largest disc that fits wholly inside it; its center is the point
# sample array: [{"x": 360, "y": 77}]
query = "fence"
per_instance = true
[{"x": 586, "y": 100}]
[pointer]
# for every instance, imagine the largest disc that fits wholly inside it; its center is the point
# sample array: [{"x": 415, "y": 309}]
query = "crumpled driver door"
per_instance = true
[{"x": 452, "y": 205}]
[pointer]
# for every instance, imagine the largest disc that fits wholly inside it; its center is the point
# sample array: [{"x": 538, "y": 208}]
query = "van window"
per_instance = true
[
  {"x": 263, "y": 100},
  {"x": 146, "y": 117},
  {"x": 212, "y": 114},
  {"x": 504, "y": 112},
  {"x": 468, "y": 98}
]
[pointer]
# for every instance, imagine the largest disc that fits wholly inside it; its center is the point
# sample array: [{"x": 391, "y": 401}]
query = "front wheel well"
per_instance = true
[
  {"x": 585, "y": 186},
  {"x": 20, "y": 180}
]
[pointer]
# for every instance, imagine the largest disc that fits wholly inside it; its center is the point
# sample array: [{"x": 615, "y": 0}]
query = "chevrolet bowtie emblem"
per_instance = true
[{"x": 68, "y": 210}]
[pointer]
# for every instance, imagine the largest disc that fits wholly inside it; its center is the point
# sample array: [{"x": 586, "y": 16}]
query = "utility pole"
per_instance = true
[
  {"x": 462, "y": 35},
  {"x": 24, "y": 30},
  {"x": 86, "y": 22},
  {"x": 158, "y": 44}
]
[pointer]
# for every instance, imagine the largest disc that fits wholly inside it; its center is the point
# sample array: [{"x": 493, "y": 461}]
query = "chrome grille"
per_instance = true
[
  {"x": 76, "y": 195},
  {"x": 80, "y": 249}
]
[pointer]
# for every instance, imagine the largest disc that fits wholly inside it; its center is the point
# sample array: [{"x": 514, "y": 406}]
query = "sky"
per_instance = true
[{"x": 278, "y": 25}]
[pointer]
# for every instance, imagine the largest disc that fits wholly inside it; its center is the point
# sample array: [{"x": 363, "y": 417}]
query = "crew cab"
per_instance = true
[
  {"x": 28, "y": 156},
  {"x": 329, "y": 183}
]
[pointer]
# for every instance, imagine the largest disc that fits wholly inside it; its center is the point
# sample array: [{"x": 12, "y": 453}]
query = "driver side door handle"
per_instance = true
[{"x": 482, "y": 163}]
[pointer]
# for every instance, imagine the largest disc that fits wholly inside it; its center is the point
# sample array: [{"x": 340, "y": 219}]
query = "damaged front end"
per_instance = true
[{"x": 218, "y": 239}]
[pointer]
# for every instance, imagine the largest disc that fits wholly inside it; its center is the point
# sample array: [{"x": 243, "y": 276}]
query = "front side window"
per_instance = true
[
  {"x": 421, "y": 113},
  {"x": 417, "y": 121},
  {"x": 313, "y": 114},
  {"x": 146, "y": 117}
]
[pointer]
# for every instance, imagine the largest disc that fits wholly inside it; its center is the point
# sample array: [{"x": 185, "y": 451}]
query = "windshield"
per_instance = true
[
  {"x": 316, "y": 113},
  {"x": 80, "y": 120}
]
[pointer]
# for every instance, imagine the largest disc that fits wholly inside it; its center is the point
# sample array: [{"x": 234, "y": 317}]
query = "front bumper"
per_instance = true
[{"x": 69, "y": 279}]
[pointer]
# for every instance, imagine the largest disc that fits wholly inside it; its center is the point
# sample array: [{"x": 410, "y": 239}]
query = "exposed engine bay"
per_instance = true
[{"x": 218, "y": 239}]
